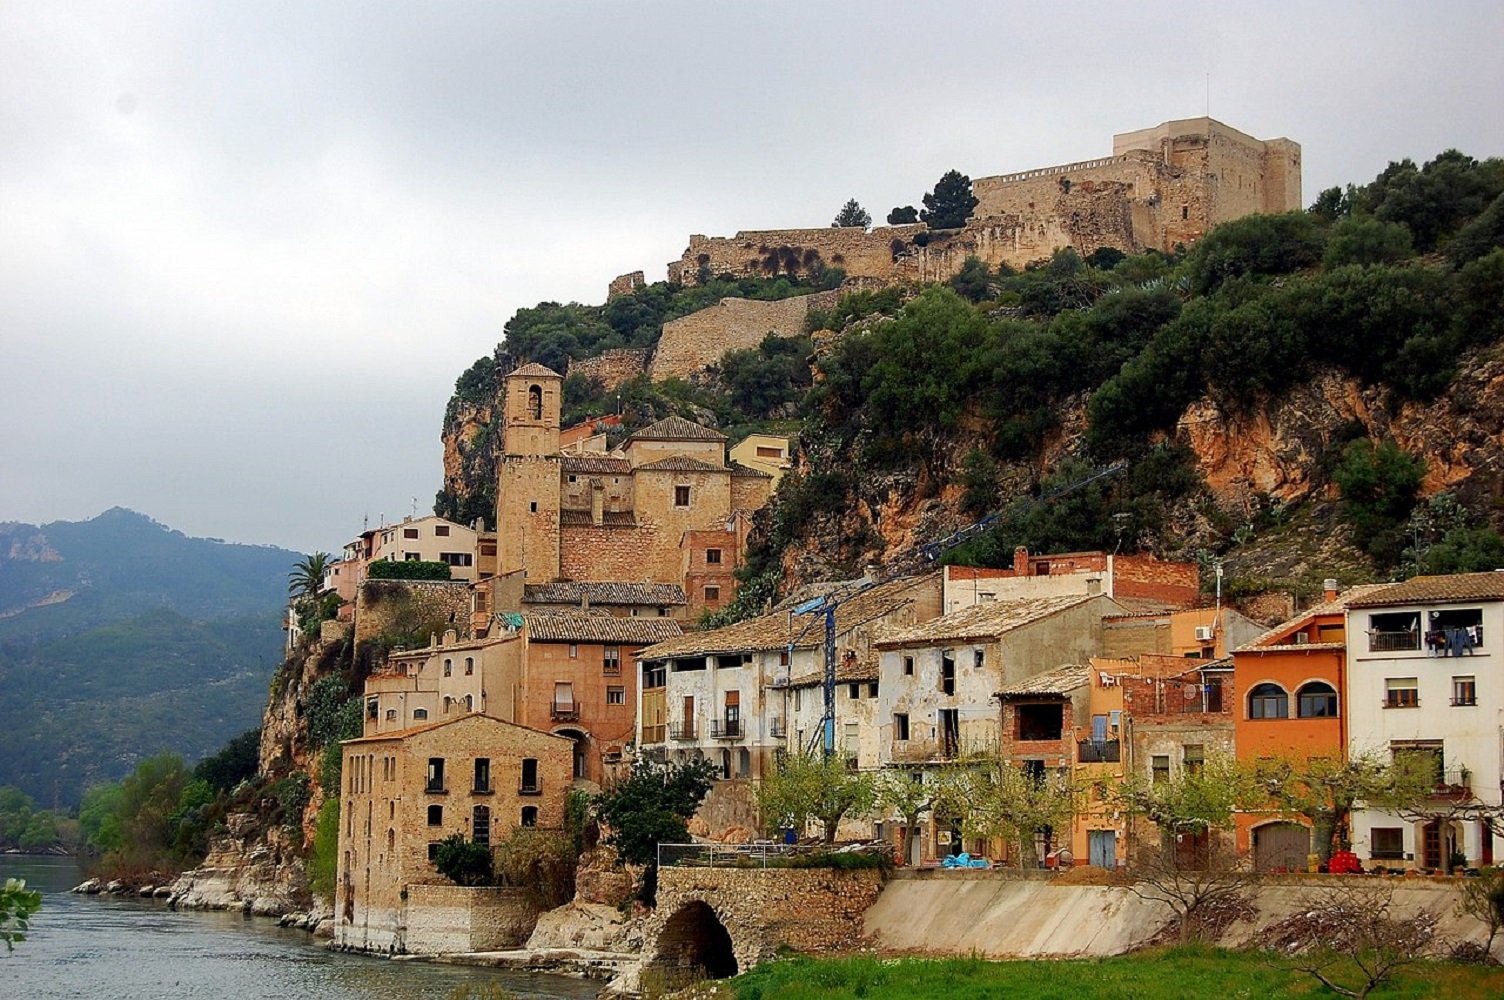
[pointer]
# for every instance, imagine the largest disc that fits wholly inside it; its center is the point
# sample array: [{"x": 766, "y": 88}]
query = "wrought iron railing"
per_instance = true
[{"x": 1099, "y": 751}]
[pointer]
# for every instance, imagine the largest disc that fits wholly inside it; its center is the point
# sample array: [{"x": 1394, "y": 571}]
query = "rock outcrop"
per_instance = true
[{"x": 250, "y": 868}]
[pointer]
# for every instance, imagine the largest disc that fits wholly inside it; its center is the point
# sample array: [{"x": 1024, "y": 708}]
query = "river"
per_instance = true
[{"x": 132, "y": 949}]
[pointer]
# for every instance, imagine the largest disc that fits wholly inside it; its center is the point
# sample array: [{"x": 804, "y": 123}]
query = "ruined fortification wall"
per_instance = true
[
  {"x": 695, "y": 342},
  {"x": 625, "y": 284},
  {"x": 611, "y": 368},
  {"x": 765, "y": 252},
  {"x": 400, "y": 606}
]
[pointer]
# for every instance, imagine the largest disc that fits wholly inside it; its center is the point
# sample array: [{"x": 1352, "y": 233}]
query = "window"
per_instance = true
[
  {"x": 1464, "y": 691},
  {"x": 409, "y": 532},
  {"x": 448, "y": 701},
  {"x": 908, "y": 666},
  {"x": 1159, "y": 768},
  {"x": 872, "y": 689},
  {"x": 611, "y": 660},
  {"x": 448, "y": 667},
  {"x": 1268, "y": 701},
  {"x": 469, "y": 665},
  {"x": 900, "y": 725},
  {"x": 1185, "y": 211},
  {"x": 482, "y": 774},
  {"x": 1387, "y": 842},
  {"x": 529, "y": 784},
  {"x": 480, "y": 825},
  {"x": 535, "y": 402},
  {"x": 947, "y": 674},
  {"x": 532, "y": 506},
  {"x": 1394, "y": 631},
  {"x": 976, "y": 658},
  {"x": 713, "y": 557},
  {"x": 435, "y": 815},
  {"x": 441, "y": 530},
  {"x": 712, "y": 593},
  {"x": 1195, "y": 757},
  {"x": 1316, "y": 700},
  {"x": 373, "y": 708},
  {"x": 681, "y": 496},
  {"x": 1401, "y": 692},
  {"x": 854, "y": 691},
  {"x": 763, "y": 451},
  {"x": 433, "y": 849},
  {"x": 783, "y": 658},
  {"x": 435, "y": 774},
  {"x": 391, "y": 715},
  {"x": 420, "y": 713},
  {"x": 529, "y": 815},
  {"x": 616, "y": 696},
  {"x": 1039, "y": 721}
]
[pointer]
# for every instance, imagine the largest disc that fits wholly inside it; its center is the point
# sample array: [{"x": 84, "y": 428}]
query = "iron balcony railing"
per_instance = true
[
  {"x": 564, "y": 711},
  {"x": 1393, "y": 642},
  {"x": 683, "y": 730},
  {"x": 1099, "y": 751},
  {"x": 725, "y": 729},
  {"x": 776, "y": 729}
]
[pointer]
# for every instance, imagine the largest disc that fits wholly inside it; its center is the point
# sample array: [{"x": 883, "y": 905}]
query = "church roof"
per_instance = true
[
  {"x": 676, "y": 429},
  {"x": 679, "y": 463},
  {"x": 534, "y": 370},
  {"x": 747, "y": 472}
]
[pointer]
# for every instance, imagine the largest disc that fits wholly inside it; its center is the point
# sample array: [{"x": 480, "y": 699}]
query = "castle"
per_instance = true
[{"x": 1161, "y": 187}]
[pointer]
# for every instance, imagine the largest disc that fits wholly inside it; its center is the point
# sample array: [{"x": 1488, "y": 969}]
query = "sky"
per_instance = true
[{"x": 246, "y": 248}]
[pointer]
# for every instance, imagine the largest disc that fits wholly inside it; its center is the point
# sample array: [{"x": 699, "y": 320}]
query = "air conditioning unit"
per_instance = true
[{"x": 1203, "y": 633}]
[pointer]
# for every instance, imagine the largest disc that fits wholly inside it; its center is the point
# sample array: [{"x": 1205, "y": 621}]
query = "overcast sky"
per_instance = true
[{"x": 246, "y": 248}]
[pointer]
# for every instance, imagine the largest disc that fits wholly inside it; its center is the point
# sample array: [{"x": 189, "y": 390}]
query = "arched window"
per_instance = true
[
  {"x": 480, "y": 825},
  {"x": 469, "y": 665},
  {"x": 447, "y": 702},
  {"x": 744, "y": 763},
  {"x": 1268, "y": 701},
  {"x": 535, "y": 402},
  {"x": 420, "y": 713},
  {"x": 448, "y": 667},
  {"x": 1316, "y": 700},
  {"x": 725, "y": 763},
  {"x": 529, "y": 815},
  {"x": 469, "y": 702}
]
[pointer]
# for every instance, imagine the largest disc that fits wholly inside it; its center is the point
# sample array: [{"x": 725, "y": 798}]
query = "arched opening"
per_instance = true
[
  {"x": 1268, "y": 701},
  {"x": 535, "y": 402},
  {"x": 581, "y": 755},
  {"x": 1316, "y": 700},
  {"x": 694, "y": 944}
]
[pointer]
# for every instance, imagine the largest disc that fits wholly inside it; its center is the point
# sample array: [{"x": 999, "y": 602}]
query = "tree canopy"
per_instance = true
[
  {"x": 852, "y": 214},
  {"x": 949, "y": 205}
]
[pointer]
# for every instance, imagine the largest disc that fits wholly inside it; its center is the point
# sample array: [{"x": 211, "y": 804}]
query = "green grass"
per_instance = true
[{"x": 1198, "y": 973}]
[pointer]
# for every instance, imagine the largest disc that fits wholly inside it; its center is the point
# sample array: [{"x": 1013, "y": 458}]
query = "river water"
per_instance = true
[{"x": 117, "y": 948}]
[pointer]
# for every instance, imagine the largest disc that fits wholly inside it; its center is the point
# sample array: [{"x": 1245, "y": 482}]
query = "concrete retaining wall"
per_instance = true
[{"x": 449, "y": 919}]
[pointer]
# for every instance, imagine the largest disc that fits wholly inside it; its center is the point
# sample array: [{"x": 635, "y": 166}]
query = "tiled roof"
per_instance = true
[
  {"x": 1337, "y": 605},
  {"x": 985, "y": 621},
  {"x": 603, "y": 593},
  {"x": 679, "y": 463},
  {"x": 534, "y": 370},
  {"x": 847, "y": 672},
  {"x": 747, "y": 472},
  {"x": 402, "y": 734},
  {"x": 1060, "y": 681},
  {"x": 607, "y": 629},
  {"x": 609, "y": 518},
  {"x": 778, "y": 629},
  {"x": 609, "y": 465},
  {"x": 1451, "y": 589},
  {"x": 676, "y": 429}
]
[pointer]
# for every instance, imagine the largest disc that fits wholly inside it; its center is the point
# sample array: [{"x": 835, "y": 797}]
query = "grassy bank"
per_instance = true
[{"x": 1158, "y": 975}]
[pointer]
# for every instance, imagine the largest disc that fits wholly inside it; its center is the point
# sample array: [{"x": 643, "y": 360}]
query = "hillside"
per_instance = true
[
  {"x": 120, "y": 638},
  {"x": 1299, "y": 395}
]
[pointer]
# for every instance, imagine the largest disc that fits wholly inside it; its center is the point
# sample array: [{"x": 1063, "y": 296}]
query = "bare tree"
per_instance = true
[
  {"x": 1348, "y": 937},
  {"x": 1483, "y": 898},
  {"x": 1204, "y": 889}
]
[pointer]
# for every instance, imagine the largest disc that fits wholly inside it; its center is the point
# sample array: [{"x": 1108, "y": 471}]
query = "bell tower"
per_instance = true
[{"x": 527, "y": 486}]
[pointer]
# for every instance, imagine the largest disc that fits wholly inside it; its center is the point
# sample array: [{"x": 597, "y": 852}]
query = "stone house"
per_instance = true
[
  {"x": 618, "y": 516},
  {"x": 1139, "y": 582},
  {"x": 1425, "y": 677},
  {"x": 403, "y": 792}
]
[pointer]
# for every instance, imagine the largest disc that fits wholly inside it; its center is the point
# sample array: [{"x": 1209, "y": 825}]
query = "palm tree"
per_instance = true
[{"x": 307, "y": 576}]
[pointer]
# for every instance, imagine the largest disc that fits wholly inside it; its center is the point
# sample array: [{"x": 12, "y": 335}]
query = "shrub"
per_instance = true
[
  {"x": 464, "y": 862},
  {"x": 323, "y": 863},
  {"x": 541, "y": 860},
  {"x": 412, "y": 569}
]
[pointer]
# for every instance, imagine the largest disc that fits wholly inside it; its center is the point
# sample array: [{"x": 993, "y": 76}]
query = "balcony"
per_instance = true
[
  {"x": 564, "y": 711},
  {"x": 654, "y": 734},
  {"x": 726, "y": 729},
  {"x": 686, "y": 730},
  {"x": 1455, "y": 784},
  {"x": 609, "y": 669},
  {"x": 776, "y": 729},
  {"x": 1393, "y": 642},
  {"x": 1099, "y": 751},
  {"x": 526, "y": 789},
  {"x": 924, "y": 751},
  {"x": 1402, "y": 699}
]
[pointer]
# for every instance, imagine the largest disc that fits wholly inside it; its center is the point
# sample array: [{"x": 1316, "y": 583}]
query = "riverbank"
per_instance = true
[{"x": 1186, "y": 973}]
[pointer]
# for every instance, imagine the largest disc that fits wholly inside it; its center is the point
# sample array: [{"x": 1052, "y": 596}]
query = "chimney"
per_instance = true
[
  {"x": 1329, "y": 585},
  {"x": 597, "y": 502},
  {"x": 1020, "y": 561}
]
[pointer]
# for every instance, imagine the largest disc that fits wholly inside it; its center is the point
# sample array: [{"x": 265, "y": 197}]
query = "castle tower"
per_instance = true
[{"x": 527, "y": 488}]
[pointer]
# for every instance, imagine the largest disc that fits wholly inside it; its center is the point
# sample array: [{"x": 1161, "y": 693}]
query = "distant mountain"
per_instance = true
[{"x": 120, "y": 638}]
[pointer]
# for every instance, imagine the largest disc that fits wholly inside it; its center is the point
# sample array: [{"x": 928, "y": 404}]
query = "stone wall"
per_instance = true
[
  {"x": 607, "y": 552},
  {"x": 625, "y": 284},
  {"x": 764, "y": 253},
  {"x": 612, "y": 368},
  {"x": 1146, "y": 578},
  {"x": 444, "y": 919},
  {"x": 388, "y": 606},
  {"x": 695, "y": 342},
  {"x": 762, "y": 909}
]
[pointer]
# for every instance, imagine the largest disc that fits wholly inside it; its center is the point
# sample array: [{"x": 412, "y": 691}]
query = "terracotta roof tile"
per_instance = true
[
  {"x": 986, "y": 621},
  {"x": 679, "y": 463},
  {"x": 1335, "y": 606},
  {"x": 534, "y": 370},
  {"x": 1452, "y": 589},
  {"x": 847, "y": 672},
  {"x": 610, "y": 518},
  {"x": 676, "y": 429},
  {"x": 747, "y": 472},
  {"x": 778, "y": 629},
  {"x": 609, "y": 465},
  {"x": 605, "y": 629},
  {"x": 1060, "y": 681},
  {"x": 402, "y": 734},
  {"x": 610, "y": 592}
]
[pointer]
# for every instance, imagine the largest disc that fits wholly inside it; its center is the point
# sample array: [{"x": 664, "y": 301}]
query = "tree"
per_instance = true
[
  {"x": 1193, "y": 802},
  {"x": 974, "y": 281},
  {"x": 17, "y": 904},
  {"x": 1366, "y": 240},
  {"x": 904, "y": 216},
  {"x": 812, "y": 787},
  {"x": 1483, "y": 898},
  {"x": 461, "y": 861},
  {"x": 906, "y": 793},
  {"x": 236, "y": 761},
  {"x": 999, "y": 800},
  {"x": 950, "y": 204},
  {"x": 1200, "y": 890},
  {"x": 852, "y": 215},
  {"x": 1348, "y": 939},
  {"x": 651, "y": 807},
  {"x": 1325, "y": 789},
  {"x": 307, "y": 576},
  {"x": 1379, "y": 485}
]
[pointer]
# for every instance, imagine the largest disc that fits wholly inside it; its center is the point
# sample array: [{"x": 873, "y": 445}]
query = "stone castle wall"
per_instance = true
[
  {"x": 763, "y": 253},
  {"x": 613, "y": 367},
  {"x": 390, "y": 606},
  {"x": 625, "y": 284},
  {"x": 695, "y": 342}
]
